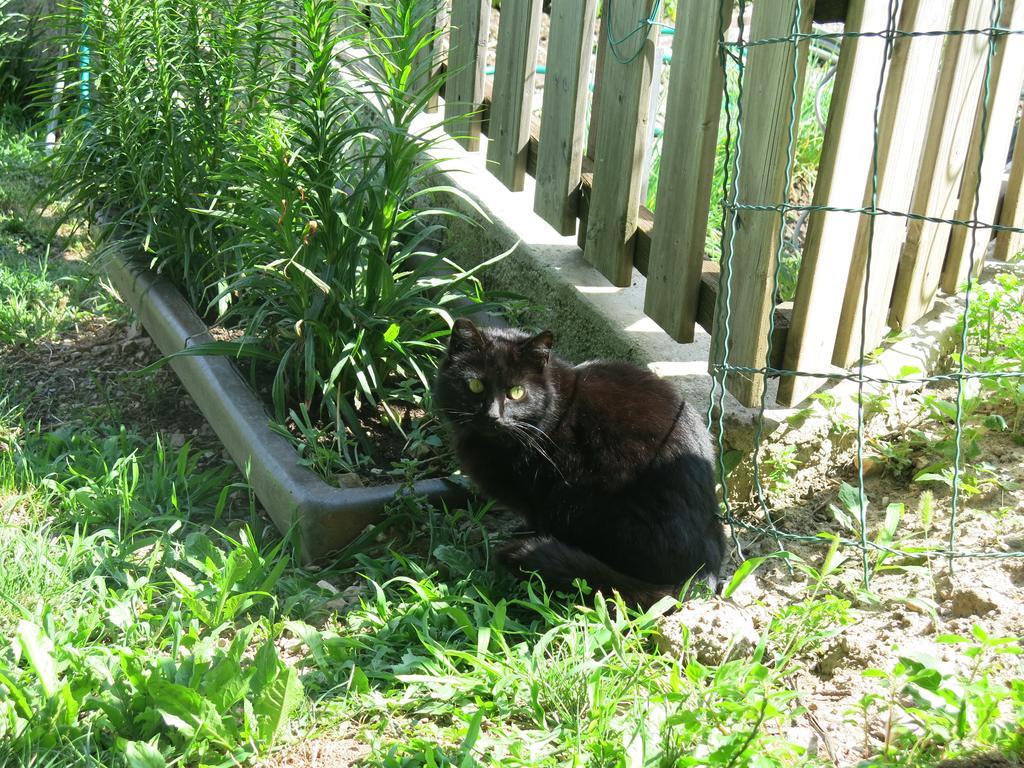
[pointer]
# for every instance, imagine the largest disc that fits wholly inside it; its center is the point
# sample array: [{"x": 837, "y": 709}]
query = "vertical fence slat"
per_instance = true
[
  {"x": 1009, "y": 244},
  {"x": 595, "y": 101},
  {"x": 687, "y": 168},
  {"x": 909, "y": 91},
  {"x": 467, "y": 55},
  {"x": 1006, "y": 78},
  {"x": 621, "y": 125},
  {"x": 591, "y": 133},
  {"x": 768, "y": 93},
  {"x": 842, "y": 173},
  {"x": 560, "y": 154},
  {"x": 508, "y": 131},
  {"x": 949, "y": 135}
]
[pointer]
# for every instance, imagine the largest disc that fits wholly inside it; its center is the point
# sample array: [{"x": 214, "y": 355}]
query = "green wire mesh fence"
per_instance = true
[{"x": 733, "y": 59}]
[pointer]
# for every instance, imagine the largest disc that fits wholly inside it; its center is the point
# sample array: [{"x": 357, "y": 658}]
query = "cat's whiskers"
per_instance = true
[
  {"x": 460, "y": 418},
  {"x": 528, "y": 441},
  {"x": 538, "y": 430}
]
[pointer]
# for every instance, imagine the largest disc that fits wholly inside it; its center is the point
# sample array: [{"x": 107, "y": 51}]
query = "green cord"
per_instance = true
[
  {"x": 723, "y": 311},
  {"x": 642, "y": 26},
  {"x": 718, "y": 382},
  {"x": 794, "y": 117},
  {"x": 895, "y": 34},
  {"x": 869, "y": 211}
]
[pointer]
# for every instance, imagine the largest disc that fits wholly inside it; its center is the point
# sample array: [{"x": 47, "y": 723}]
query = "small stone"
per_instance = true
[
  {"x": 338, "y": 605},
  {"x": 718, "y": 631},
  {"x": 1013, "y": 544},
  {"x": 349, "y": 480},
  {"x": 944, "y": 586},
  {"x": 872, "y": 465},
  {"x": 806, "y": 736},
  {"x": 835, "y": 654},
  {"x": 347, "y": 599}
]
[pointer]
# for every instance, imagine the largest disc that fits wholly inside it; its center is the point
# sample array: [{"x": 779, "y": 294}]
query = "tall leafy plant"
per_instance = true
[
  {"x": 267, "y": 155},
  {"x": 341, "y": 282},
  {"x": 170, "y": 86}
]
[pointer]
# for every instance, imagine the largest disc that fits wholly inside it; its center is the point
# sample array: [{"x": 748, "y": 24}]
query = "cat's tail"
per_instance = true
[{"x": 559, "y": 564}]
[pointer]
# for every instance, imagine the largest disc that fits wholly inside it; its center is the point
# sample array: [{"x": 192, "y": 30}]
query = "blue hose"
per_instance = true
[{"x": 84, "y": 60}]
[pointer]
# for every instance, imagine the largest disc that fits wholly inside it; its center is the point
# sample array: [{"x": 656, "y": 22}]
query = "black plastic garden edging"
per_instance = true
[{"x": 324, "y": 518}]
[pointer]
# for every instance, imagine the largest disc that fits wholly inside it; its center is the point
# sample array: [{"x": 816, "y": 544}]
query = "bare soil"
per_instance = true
[
  {"x": 89, "y": 375},
  {"x": 913, "y": 601},
  {"x": 319, "y": 753}
]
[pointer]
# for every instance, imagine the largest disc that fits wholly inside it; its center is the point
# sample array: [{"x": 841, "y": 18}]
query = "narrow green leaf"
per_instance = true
[{"x": 746, "y": 568}]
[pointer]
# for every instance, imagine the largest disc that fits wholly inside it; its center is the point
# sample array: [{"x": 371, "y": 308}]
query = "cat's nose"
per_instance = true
[{"x": 496, "y": 409}]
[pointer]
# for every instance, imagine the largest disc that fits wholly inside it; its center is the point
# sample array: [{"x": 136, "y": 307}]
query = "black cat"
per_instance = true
[{"x": 610, "y": 467}]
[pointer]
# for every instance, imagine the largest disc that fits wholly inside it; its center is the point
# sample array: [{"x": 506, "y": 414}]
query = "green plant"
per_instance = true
[
  {"x": 942, "y": 448},
  {"x": 896, "y": 454},
  {"x": 171, "y": 88},
  {"x": 892, "y": 549},
  {"x": 340, "y": 281},
  {"x": 23, "y": 65},
  {"x": 930, "y": 709},
  {"x": 134, "y": 638},
  {"x": 781, "y": 465},
  {"x": 996, "y": 344}
]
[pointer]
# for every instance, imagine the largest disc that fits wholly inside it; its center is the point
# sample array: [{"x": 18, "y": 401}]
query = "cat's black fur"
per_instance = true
[{"x": 611, "y": 468}]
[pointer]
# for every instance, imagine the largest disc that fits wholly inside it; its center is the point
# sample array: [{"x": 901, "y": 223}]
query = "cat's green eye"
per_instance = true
[
  {"x": 475, "y": 386},
  {"x": 516, "y": 392}
]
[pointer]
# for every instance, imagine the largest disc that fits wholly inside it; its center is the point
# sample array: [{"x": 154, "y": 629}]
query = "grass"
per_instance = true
[
  {"x": 154, "y": 625},
  {"x": 151, "y": 619}
]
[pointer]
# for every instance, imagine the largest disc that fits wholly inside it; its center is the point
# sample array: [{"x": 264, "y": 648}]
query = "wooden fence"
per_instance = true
[{"x": 931, "y": 119}]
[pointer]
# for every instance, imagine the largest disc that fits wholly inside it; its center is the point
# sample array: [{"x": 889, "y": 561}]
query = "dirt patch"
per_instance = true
[
  {"x": 89, "y": 375},
  {"x": 914, "y": 599},
  {"x": 319, "y": 753}
]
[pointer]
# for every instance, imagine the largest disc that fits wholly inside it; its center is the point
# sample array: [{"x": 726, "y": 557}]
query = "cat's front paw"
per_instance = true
[{"x": 515, "y": 552}]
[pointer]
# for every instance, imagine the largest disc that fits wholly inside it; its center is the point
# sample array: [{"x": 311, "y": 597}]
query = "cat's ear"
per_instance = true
[
  {"x": 464, "y": 336},
  {"x": 539, "y": 346}
]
